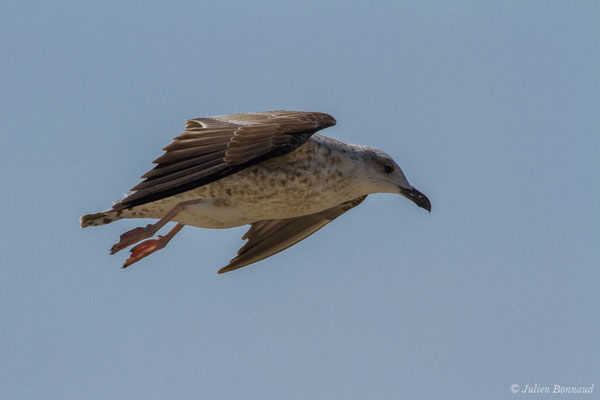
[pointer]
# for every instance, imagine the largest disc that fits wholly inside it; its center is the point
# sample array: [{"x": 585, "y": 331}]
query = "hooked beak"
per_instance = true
[{"x": 416, "y": 197}]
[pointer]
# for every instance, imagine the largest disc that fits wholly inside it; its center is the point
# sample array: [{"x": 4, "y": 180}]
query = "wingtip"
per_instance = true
[
  {"x": 228, "y": 268},
  {"x": 328, "y": 119}
]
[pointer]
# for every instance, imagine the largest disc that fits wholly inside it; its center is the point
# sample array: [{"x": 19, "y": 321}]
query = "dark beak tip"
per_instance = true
[
  {"x": 417, "y": 197},
  {"x": 423, "y": 202}
]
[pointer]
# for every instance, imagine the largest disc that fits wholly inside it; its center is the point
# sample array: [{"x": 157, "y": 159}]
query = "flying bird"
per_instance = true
[{"x": 269, "y": 170}]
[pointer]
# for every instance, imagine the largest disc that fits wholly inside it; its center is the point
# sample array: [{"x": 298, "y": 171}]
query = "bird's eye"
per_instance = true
[{"x": 388, "y": 168}]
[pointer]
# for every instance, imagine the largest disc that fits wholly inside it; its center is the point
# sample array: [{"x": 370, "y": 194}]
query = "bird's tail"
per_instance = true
[{"x": 101, "y": 218}]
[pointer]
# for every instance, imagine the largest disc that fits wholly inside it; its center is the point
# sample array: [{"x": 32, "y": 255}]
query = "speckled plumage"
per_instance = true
[
  {"x": 315, "y": 177},
  {"x": 269, "y": 170}
]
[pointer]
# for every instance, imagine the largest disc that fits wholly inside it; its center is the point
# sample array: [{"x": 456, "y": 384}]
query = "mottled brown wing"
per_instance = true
[
  {"x": 212, "y": 148},
  {"x": 269, "y": 237}
]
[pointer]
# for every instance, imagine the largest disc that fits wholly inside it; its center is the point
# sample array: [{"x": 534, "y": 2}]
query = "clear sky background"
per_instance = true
[{"x": 491, "y": 108}]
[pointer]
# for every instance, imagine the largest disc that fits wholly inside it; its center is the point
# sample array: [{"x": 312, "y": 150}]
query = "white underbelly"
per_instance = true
[{"x": 217, "y": 213}]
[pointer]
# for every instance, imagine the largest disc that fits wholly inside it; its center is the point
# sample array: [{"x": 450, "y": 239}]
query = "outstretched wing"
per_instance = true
[
  {"x": 212, "y": 148},
  {"x": 269, "y": 237}
]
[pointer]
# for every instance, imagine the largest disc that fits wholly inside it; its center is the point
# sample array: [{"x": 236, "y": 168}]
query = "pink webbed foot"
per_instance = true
[
  {"x": 132, "y": 237},
  {"x": 144, "y": 249},
  {"x": 148, "y": 247}
]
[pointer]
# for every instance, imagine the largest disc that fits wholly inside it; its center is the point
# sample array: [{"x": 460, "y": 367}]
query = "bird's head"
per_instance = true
[{"x": 383, "y": 175}]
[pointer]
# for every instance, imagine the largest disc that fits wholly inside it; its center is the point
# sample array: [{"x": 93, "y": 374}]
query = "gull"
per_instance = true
[{"x": 269, "y": 170}]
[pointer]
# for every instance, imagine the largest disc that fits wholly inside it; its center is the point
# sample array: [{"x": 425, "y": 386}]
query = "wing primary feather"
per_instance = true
[
  {"x": 178, "y": 155},
  {"x": 200, "y": 133},
  {"x": 162, "y": 169},
  {"x": 187, "y": 143},
  {"x": 179, "y": 181},
  {"x": 171, "y": 177}
]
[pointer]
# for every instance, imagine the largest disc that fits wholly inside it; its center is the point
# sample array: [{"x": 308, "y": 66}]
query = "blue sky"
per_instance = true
[{"x": 491, "y": 108}]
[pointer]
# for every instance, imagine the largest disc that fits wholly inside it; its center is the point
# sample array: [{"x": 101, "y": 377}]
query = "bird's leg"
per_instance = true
[
  {"x": 135, "y": 235},
  {"x": 148, "y": 247}
]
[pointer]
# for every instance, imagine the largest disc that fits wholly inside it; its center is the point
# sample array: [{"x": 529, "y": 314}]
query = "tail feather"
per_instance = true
[{"x": 101, "y": 218}]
